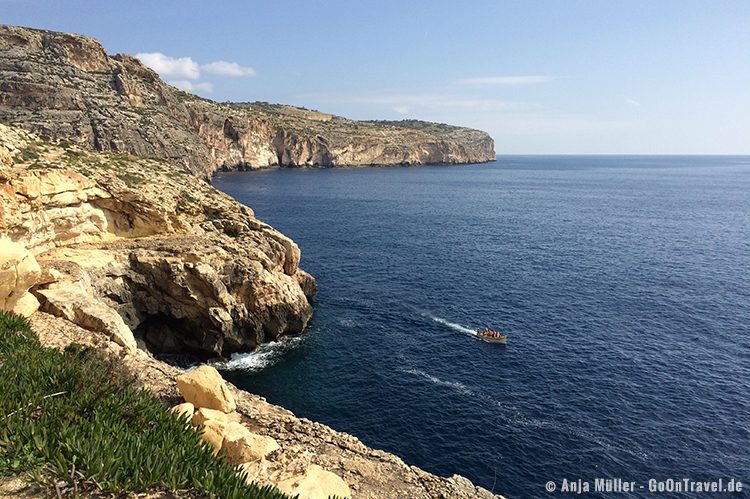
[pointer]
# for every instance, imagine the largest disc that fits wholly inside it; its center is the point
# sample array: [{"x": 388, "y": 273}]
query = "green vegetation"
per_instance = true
[
  {"x": 75, "y": 416},
  {"x": 29, "y": 153},
  {"x": 131, "y": 179}
]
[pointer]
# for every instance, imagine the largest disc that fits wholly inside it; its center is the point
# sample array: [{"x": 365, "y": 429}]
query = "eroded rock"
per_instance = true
[
  {"x": 75, "y": 304},
  {"x": 19, "y": 271},
  {"x": 205, "y": 388},
  {"x": 186, "y": 268}
]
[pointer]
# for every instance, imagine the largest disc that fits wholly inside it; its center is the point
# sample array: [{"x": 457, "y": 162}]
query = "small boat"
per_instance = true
[{"x": 492, "y": 336}]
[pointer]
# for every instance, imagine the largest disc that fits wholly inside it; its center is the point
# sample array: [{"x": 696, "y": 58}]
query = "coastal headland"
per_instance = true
[{"x": 66, "y": 86}]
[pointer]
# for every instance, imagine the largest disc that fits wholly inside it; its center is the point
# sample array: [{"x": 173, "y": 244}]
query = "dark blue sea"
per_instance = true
[{"x": 623, "y": 282}]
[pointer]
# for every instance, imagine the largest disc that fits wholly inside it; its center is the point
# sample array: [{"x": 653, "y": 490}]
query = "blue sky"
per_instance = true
[{"x": 652, "y": 77}]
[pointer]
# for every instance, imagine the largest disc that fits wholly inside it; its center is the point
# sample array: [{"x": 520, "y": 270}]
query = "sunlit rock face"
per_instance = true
[{"x": 121, "y": 244}]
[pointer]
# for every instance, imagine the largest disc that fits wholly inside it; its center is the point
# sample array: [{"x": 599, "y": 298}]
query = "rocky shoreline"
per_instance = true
[{"x": 369, "y": 473}]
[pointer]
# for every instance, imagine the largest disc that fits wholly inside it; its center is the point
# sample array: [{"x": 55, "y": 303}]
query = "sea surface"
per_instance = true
[{"x": 623, "y": 282}]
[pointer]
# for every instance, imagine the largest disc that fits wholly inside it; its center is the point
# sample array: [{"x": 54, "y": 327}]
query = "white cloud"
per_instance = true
[
  {"x": 182, "y": 72},
  {"x": 632, "y": 102},
  {"x": 225, "y": 68},
  {"x": 401, "y": 109},
  {"x": 492, "y": 81},
  {"x": 189, "y": 86},
  {"x": 183, "y": 68}
]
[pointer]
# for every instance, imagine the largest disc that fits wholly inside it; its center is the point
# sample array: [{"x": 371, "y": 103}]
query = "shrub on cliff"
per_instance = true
[{"x": 75, "y": 416}]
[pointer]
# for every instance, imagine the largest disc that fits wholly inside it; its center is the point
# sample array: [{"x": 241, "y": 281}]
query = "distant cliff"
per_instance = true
[{"x": 66, "y": 86}]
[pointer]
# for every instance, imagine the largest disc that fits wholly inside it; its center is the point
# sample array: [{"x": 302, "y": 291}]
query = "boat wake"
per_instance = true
[
  {"x": 454, "y": 326},
  {"x": 509, "y": 414},
  {"x": 266, "y": 355},
  {"x": 514, "y": 416},
  {"x": 455, "y": 385}
]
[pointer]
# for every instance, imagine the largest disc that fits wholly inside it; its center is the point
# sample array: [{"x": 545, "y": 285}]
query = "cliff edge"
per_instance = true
[
  {"x": 120, "y": 244},
  {"x": 66, "y": 86}
]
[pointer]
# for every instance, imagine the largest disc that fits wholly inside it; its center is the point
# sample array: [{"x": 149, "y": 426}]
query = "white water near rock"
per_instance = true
[{"x": 264, "y": 356}]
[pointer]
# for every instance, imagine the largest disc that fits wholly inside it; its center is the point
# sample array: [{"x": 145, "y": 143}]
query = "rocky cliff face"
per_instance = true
[
  {"x": 123, "y": 244},
  {"x": 66, "y": 86}
]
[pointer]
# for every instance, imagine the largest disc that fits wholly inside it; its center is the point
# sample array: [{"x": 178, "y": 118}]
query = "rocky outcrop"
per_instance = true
[
  {"x": 135, "y": 245},
  {"x": 66, "y": 86},
  {"x": 74, "y": 303}
]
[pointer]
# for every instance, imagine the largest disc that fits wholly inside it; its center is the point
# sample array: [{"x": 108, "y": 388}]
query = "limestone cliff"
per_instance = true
[
  {"x": 132, "y": 244},
  {"x": 66, "y": 86}
]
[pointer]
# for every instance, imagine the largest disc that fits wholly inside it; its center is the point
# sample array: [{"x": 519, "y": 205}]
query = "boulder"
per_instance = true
[
  {"x": 213, "y": 433},
  {"x": 19, "y": 271},
  {"x": 72, "y": 302},
  {"x": 314, "y": 483},
  {"x": 185, "y": 410},
  {"x": 241, "y": 445},
  {"x": 204, "y": 387},
  {"x": 203, "y": 414}
]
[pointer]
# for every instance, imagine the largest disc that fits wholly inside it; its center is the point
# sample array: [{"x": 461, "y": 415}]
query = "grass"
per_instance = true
[{"x": 75, "y": 416}]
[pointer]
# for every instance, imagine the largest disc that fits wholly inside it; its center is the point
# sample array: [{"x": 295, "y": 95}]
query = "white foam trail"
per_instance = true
[
  {"x": 264, "y": 356},
  {"x": 514, "y": 416},
  {"x": 453, "y": 325},
  {"x": 505, "y": 412},
  {"x": 437, "y": 381}
]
